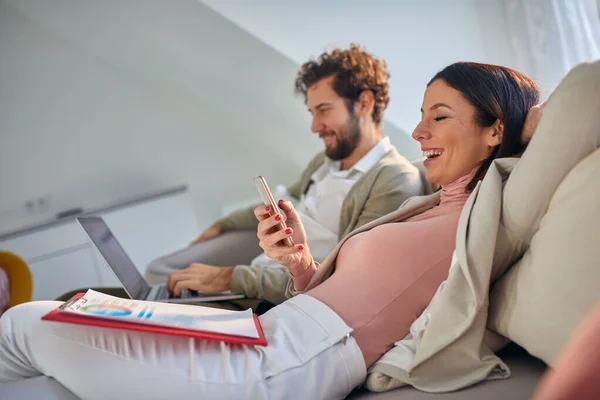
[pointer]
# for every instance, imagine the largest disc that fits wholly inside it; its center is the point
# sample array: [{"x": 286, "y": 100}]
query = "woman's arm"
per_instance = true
[
  {"x": 567, "y": 133},
  {"x": 531, "y": 122}
]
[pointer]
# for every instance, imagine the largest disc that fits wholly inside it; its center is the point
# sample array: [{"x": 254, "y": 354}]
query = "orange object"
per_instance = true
[{"x": 19, "y": 278}]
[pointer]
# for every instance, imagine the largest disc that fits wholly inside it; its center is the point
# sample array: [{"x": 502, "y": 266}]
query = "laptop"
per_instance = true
[{"x": 134, "y": 284}]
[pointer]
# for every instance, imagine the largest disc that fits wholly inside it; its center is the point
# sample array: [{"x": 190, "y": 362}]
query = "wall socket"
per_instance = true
[{"x": 38, "y": 205}]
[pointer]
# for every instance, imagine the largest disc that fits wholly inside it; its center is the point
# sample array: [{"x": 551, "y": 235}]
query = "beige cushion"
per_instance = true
[{"x": 541, "y": 299}]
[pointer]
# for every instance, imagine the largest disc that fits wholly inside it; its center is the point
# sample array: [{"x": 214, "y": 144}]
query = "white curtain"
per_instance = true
[{"x": 549, "y": 37}]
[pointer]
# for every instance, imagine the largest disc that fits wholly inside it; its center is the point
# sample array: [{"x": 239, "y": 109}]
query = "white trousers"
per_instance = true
[{"x": 308, "y": 357}]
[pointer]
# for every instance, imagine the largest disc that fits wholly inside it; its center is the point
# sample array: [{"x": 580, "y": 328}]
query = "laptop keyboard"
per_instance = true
[{"x": 163, "y": 293}]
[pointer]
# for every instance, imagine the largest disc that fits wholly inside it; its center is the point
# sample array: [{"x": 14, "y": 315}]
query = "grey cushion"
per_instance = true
[
  {"x": 526, "y": 373},
  {"x": 526, "y": 370}
]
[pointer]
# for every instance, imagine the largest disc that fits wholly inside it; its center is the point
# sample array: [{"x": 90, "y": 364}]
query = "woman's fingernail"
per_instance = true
[
  {"x": 300, "y": 247},
  {"x": 278, "y": 217},
  {"x": 268, "y": 208},
  {"x": 288, "y": 231}
]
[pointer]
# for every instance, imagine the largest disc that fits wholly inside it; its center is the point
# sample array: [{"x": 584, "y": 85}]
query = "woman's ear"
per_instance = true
[{"x": 496, "y": 133}]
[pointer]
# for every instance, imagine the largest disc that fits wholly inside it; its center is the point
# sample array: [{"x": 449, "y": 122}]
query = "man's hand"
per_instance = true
[
  {"x": 531, "y": 122},
  {"x": 200, "y": 277},
  {"x": 214, "y": 231}
]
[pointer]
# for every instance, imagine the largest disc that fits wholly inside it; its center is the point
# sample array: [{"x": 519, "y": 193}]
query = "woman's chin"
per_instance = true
[
  {"x": 431, "y": 178},
  {"x": 436, "y": 178}
]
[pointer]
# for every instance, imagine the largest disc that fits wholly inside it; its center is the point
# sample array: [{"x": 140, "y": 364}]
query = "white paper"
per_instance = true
[{"x": 100, "y": 305}]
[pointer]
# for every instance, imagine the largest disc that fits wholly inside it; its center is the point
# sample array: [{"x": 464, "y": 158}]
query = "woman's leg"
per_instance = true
[{"x": 307, "y": 357}]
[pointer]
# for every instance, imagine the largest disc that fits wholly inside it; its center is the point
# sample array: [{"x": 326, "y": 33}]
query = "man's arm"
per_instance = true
[
  {"x": 267, "y": 283},
  {"x": 240, "y": 219}
]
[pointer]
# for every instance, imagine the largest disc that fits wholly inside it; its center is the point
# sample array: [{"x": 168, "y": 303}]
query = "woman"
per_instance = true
[{"x": 320, "y": 346}]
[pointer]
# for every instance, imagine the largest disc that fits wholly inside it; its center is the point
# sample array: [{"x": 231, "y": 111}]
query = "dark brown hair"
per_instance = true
[
  {"x": 355, "y": 71},
  {"x": 497, "y": 93}
]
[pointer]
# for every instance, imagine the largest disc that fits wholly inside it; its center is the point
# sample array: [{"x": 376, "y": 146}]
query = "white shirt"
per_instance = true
[{"x": 320, "y": 207}]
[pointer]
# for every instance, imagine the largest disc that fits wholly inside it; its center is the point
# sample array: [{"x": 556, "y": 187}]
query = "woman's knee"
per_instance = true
[{"x": 25, "y": 315}]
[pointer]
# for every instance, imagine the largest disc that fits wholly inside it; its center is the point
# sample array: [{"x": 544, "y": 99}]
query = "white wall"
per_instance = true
[
  {"x": 416, "y": 37},
  {"x": 104, "y": 100},
  {"x": 101, "y": 101}
]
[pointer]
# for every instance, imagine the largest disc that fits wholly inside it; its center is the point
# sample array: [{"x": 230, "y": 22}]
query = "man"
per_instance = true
[{"x": 359, "y": 177}]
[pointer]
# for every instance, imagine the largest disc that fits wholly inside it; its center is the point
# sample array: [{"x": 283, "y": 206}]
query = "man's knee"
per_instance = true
[{"x": 157, "y": 272}]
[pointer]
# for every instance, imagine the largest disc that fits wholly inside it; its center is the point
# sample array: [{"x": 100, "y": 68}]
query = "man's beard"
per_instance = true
[{"x": 347, "y": 140}]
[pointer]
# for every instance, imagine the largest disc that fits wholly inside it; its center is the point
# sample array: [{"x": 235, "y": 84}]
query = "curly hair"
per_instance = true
[{"x": 355, "y": 71}]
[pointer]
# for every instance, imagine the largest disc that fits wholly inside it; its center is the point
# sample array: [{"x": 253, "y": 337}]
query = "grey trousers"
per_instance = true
[{"x": 228, "y": 249}]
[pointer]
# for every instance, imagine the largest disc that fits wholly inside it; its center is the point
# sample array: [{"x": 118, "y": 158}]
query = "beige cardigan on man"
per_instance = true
[
  {"x": 391, "y": 181},
  {"x": 382, "y": 189}
]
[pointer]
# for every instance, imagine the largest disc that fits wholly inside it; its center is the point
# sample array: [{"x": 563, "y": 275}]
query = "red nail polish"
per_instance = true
[
  {"x": 300, "y": 247},
  {"x": 268, "y": 208},
  {"x": 278, "y": 217},
  {"x": 288, "y": 231}
]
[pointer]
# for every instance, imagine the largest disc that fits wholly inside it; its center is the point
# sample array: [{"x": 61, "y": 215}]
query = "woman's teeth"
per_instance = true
[{"x": 431, "y": 153}]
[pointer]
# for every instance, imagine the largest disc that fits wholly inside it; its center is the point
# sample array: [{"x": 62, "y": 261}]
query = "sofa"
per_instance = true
[{"x": 553, "y": 281}]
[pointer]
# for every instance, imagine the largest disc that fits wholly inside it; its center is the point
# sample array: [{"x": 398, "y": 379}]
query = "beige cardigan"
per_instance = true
[
  {"x": 391, "y": 181},
  {"x": 455, "y": 350}
]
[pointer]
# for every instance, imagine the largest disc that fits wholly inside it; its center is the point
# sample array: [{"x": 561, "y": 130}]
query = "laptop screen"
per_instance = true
[{"x": 115, "y": 256}]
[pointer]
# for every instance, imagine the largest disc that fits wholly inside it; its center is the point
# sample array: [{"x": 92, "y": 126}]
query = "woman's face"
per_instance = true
[{"x": 452, "y": 142}]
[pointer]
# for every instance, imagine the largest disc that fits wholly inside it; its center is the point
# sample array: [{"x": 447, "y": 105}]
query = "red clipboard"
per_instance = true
[{"x": 61, "y": 316}]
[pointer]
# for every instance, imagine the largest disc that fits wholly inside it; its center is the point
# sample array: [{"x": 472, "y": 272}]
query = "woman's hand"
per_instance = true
[
  {"x": 531, "y": 122},
  {"x": 296, "y": 258}
]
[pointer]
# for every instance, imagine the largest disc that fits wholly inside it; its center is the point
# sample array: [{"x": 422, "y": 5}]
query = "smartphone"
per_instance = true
[{"x": 267, "y": 198}]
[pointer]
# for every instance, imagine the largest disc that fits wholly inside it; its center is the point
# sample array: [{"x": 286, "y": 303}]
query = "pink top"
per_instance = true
[{"x": 385, "y": 277}]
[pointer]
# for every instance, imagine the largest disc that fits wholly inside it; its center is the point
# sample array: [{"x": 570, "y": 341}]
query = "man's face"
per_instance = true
[{"x": 335, "y": 122}]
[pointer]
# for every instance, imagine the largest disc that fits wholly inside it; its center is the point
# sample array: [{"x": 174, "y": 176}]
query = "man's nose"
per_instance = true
[{"x": 317, "y": 126}]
